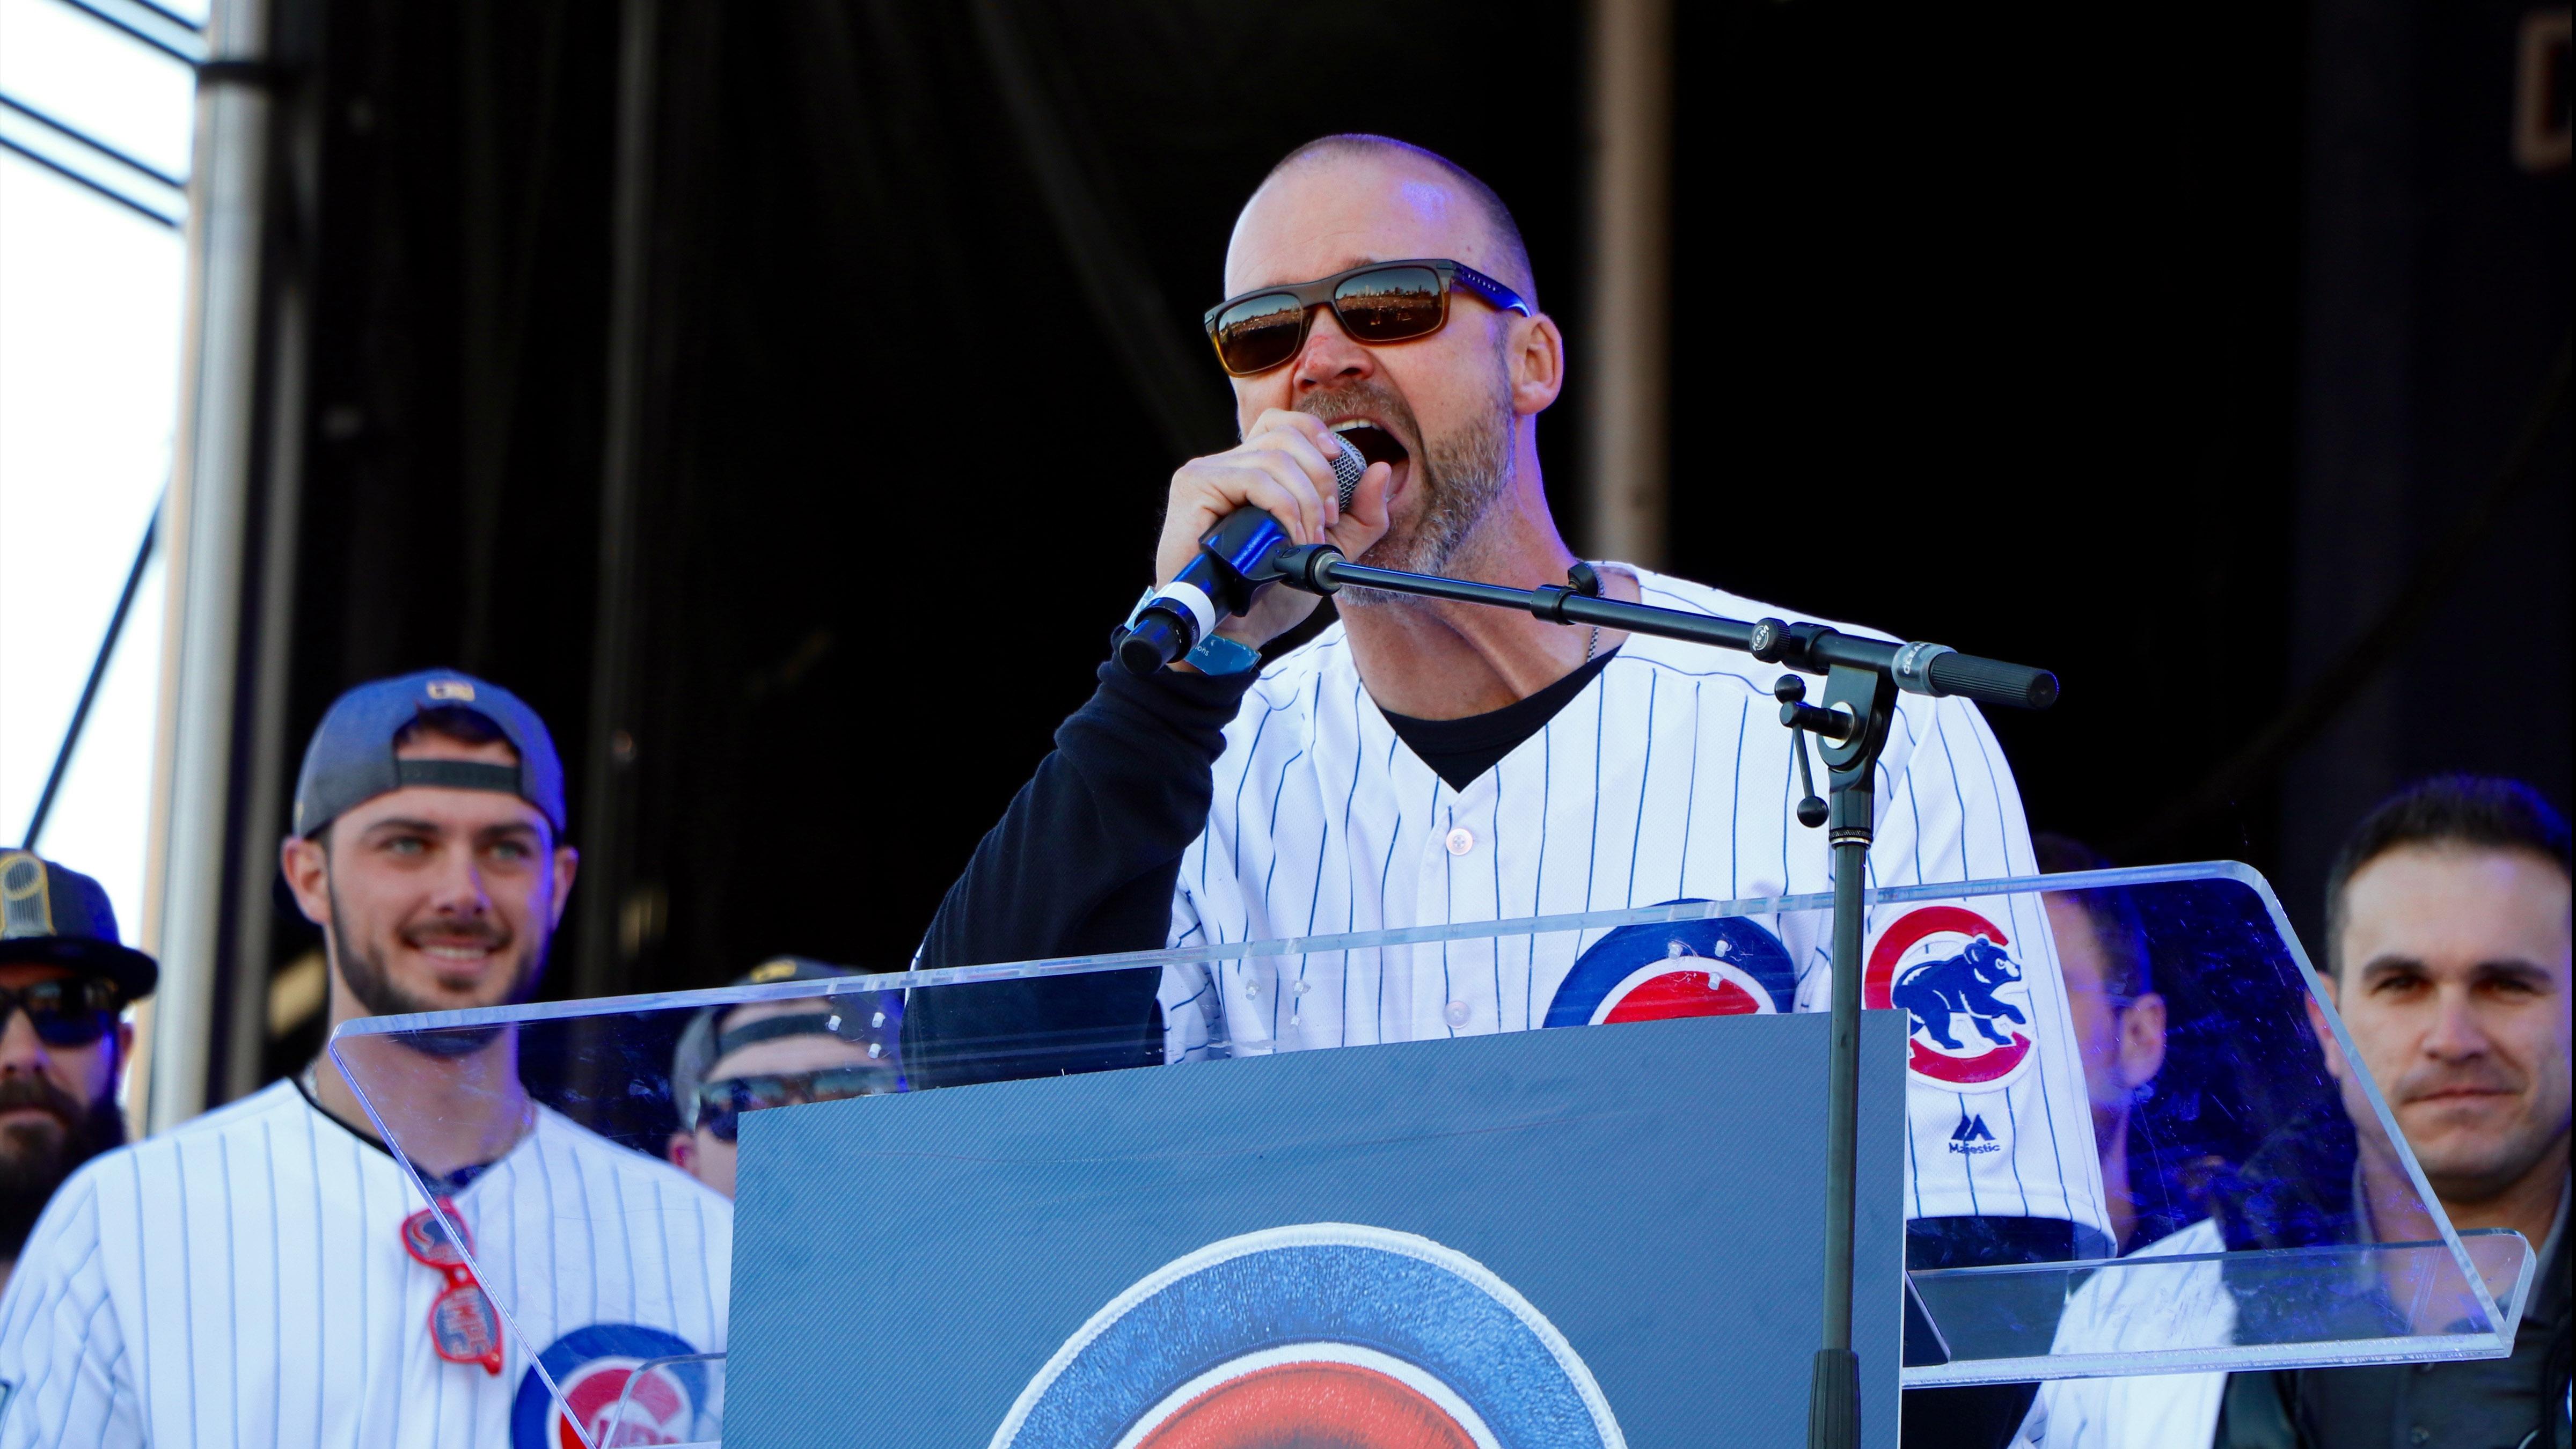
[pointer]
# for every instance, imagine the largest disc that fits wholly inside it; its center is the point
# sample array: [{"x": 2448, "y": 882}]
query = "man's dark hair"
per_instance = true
[
  {"x": 1498, "y": 217},
  {"x": 2126, "y": 974},
  {"x": 2483, "y": 812}
]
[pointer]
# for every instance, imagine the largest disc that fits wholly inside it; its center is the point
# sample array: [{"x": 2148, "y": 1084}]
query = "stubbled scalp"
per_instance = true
[{"x": 1510, "y": 258}]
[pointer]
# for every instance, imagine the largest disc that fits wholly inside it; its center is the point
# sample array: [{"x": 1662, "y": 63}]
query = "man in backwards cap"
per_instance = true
[
  {"x": 64, "y": 978},
  {"x": 267, "y": 1274},
  {"x": 737, "y": 1059}
]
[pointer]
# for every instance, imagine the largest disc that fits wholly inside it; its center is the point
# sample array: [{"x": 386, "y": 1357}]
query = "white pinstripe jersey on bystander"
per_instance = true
[
  {"x": 1668, "y": 778},
  {"x": 242, "y": 1280}
]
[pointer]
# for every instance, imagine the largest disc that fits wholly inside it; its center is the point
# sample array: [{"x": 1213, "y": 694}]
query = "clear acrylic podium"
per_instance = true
[{"x": 2242, "y": 1119}]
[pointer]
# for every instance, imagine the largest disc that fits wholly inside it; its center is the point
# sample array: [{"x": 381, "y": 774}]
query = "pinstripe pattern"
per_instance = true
[
  {"x": 1656, "y": 783},
  {"x": 241, "y": 1281}
]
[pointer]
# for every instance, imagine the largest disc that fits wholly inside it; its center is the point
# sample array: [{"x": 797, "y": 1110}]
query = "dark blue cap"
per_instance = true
[
  {"x": 351, "y": 758},
  {"x": 59, "y": 917}
]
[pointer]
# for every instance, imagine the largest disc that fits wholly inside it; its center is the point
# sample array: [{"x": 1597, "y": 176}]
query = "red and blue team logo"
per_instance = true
[
  {"x": 1723, "y": 967},
  {"x": 1950, "y": 969},
  {"x": 1322, "y": 1333},
  {"x": 613, "y": 1390}
]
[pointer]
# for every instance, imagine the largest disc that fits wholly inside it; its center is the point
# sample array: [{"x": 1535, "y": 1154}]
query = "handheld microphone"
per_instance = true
[{"x": 1216, "y": 583}]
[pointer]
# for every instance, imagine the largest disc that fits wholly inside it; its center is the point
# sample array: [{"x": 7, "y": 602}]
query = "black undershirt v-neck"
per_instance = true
[{"x": 1459, "y": 750}]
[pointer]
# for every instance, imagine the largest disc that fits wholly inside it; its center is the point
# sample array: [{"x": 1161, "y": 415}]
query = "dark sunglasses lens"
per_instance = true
[
  {"x": 1389, "y": 304},
  {"x": 1259, "y": 333},
  {"x": 61, "y": 1016}
]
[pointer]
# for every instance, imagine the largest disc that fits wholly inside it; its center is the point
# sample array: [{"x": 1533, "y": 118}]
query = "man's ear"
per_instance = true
[
  {"x": 307, "y": 867},
  {"x": 1537, "y": 363},
  {"x": 2325, "y": 1039},
  {"x": 2142, "y": 1039},
  {"x": 682, "y": 1150},
  {"x": 567, "y": 865}
]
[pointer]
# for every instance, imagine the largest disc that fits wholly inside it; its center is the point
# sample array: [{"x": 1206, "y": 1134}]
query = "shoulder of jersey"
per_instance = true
[
  {"x": 1666, "y": 591},
  {"x": 148, "y": 1157},
  {"x": 1291, "y": 672}
]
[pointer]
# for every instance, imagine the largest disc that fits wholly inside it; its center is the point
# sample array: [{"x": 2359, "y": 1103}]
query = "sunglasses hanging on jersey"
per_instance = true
[
  {"x": 464, "y": 1327},
  {"x": 1376, "y": 303},
  {"x": 64, "y": 1013}
]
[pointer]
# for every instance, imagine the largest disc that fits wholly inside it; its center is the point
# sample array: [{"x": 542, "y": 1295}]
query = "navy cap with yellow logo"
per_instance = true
[
  {"x": 54, "y": 916},
  {"x": 351, "y": 758}
]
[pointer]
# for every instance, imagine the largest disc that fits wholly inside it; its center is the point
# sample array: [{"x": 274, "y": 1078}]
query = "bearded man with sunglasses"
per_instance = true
[
  {"x": 65, "y": 979},
  {"x": 268, "y": 1274},
  {"x": 1423, "y": 763}
]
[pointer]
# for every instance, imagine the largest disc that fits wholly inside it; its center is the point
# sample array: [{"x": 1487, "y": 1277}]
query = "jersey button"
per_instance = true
[
  {"x": 1461, "y": 840},
  {"x": 1455, "y": 1011}
]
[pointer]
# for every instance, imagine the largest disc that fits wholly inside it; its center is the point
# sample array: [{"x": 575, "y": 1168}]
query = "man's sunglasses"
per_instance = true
[
  {"x": 64, "y": 1013},
  {"x": 1380, "y": 302},
  {"x": 722, "y": 1102}
]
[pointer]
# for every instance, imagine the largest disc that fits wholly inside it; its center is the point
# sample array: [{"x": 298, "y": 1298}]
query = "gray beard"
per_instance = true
[
  {"x": 374, "y": 987},
  {"x": 1459, "y": 478}
]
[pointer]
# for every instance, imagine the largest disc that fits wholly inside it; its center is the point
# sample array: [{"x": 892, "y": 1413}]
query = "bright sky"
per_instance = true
[{"x": 90, "y": 299}]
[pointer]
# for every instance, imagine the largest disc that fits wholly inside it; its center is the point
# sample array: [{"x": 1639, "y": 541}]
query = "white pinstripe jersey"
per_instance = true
[
  {"x": 242, "y": 1281},
  {"x": 1668, "y": 778}
]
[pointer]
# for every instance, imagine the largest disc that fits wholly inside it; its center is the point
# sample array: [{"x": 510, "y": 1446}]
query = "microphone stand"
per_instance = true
[{"x": 1862, "y": 677}]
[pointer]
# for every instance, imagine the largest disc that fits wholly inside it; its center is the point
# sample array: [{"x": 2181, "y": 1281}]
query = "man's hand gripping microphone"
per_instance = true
[{"x": 1230, "y": 570}]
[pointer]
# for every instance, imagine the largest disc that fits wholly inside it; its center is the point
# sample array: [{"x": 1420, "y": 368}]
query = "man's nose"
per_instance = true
[
  {"x": 1330, "y": 356},
  {"x": 2456, "y": 1033},
  {"x": 21, "y": 1050},
  {"x": 460, "y": 889}
]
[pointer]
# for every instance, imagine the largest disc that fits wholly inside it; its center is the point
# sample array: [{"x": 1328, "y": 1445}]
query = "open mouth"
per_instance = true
[{"x": 1378, "y": 445}]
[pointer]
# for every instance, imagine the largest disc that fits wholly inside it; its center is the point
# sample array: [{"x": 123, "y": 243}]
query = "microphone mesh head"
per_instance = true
[{"x": 1348, "y": 465}]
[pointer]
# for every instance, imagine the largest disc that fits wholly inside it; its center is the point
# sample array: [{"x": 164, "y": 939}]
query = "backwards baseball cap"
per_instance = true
[
  {"x": 351, "y": 759},
  {"x": 871, "y": 1019},
  {"x": 53, "y": 916}
]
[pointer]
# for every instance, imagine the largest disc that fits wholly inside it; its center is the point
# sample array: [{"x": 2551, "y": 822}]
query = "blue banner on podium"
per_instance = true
[{"x": 1525, "y": 1241}]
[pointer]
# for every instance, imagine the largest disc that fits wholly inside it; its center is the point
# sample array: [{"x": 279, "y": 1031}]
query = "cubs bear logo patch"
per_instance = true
[{"x": 1952, "y": 971}]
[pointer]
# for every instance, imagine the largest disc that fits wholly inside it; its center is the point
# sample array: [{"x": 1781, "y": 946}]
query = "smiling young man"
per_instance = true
[
  {"x": 1421, "y": 763},
  {"x": 267, "y": 1273}
]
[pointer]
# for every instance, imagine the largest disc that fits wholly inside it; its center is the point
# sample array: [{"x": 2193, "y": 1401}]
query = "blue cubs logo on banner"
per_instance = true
[
  {"x": 613, "y": 1390},
  {"x": 1952, "y": 971},
  {"x": 1321, "y": 1333},
  {"x": 1727, "y": 966}
]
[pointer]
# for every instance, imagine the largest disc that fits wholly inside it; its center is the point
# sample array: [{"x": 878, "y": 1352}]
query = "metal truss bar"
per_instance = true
[
  {"x": 62, "y": 128},
  {"x": 175, "y": 36},
  {"x": 79, "y": 179}
]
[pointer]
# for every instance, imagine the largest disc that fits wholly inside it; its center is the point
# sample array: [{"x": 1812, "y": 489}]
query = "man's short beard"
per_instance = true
[
  {"x": 34, "y": 1162},
  {"x": 1457, "y": 478},
  {"x": 374, "y": 987}
]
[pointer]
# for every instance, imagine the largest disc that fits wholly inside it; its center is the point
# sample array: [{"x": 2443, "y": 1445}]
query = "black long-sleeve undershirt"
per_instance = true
[{"x": 1083, "y": 862}]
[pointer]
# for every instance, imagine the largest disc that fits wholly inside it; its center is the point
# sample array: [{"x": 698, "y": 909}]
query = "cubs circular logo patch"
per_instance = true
[
  {"x": 1723, "y": 967},
  {"x": 1322, "y": 1333},
  {"x": 610, "y": 1392},
  {"x": 1951, "y": 971}
]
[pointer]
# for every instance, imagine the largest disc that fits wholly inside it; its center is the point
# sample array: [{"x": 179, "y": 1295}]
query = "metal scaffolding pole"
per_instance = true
[
  {"x": 209, "y": 510},
  {"x": 1631, "y": 107}
]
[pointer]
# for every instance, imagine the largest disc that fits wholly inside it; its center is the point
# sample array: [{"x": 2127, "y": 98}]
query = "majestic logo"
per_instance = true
[
  {"x": 1948, "y": 968},
  {"x": 1723, "y": 967},
  {"x": 1322, "y": 1333},
  {"x": 456, "y": 689},
  {"x": 1974, "y": 1138},
  {"x": 615, "y": 1388}
]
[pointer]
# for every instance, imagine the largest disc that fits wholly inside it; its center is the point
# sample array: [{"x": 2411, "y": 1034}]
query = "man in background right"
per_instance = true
[{"x": 2447, "y": 945}]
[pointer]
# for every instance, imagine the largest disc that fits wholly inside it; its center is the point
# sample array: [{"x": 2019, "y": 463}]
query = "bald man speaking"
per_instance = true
[{"x": 1419, "y": 763}]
